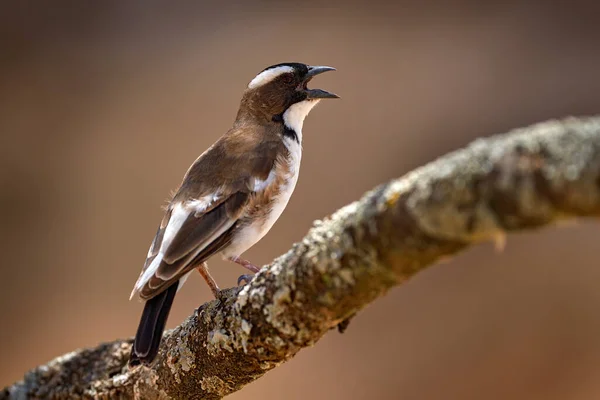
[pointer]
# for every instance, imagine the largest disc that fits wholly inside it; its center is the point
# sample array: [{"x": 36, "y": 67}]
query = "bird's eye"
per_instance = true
[{"x": 288, "y": 79}]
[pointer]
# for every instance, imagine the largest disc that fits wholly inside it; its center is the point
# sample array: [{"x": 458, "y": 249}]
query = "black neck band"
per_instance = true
[
  {"x": 290, "y": 133},
  {"x": 287, "y": 132}
]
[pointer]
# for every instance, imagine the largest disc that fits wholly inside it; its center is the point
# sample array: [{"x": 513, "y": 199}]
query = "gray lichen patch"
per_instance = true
[
  {"x": 252, "y": 294},
  {"x": 217, "y": 341},
  {"x": 186, "y": 356},
  {"x": 146, "y": 386},
  {"x": 275, "y": 313},
  {"x": 243, "y": 335},
  {"x": 443, "y": 198},
  {"x": 215, "y": 385},
  {"x": 180, "y": 358},
  {"x": 246, "y": 327}
]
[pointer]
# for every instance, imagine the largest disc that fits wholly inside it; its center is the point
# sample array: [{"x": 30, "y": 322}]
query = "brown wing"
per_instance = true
[
  {"x": 185, "y": 236},
  {"x": 203, "y": 213}
]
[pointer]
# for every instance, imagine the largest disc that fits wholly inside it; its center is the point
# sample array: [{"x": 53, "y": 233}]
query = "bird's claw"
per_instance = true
[{"x": 245, "y": 279}]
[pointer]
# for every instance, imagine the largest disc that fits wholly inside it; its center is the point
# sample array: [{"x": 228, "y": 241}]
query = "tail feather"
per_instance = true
[{"x": 152, "y": 324}]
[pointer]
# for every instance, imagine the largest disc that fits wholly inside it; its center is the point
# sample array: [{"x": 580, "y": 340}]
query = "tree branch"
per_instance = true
[{"x": 526, "y": 179}]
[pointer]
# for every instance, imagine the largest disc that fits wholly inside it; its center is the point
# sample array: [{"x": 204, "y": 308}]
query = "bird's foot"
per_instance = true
[{"x": 244, "y": 279}]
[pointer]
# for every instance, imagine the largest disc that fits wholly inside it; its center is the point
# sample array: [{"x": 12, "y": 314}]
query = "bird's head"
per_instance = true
[{"x": 281, "y": 91}]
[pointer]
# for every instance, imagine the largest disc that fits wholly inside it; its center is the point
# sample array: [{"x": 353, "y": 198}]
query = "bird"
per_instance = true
[{"x": 230, "y": 197}]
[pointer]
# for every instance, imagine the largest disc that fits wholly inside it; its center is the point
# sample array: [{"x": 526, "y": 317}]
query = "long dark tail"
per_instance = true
[{"x": 152, "y": 324}]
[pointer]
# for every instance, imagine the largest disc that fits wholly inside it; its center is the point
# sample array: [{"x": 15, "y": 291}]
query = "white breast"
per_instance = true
[
  {"x": 252, "y": 233},
  {"x": 288, "y": 187},
  {"x": 293, "y": 118}
]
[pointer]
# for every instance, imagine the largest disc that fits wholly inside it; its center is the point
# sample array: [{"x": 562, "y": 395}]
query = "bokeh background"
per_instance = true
[{"x": 103, "y": 105}]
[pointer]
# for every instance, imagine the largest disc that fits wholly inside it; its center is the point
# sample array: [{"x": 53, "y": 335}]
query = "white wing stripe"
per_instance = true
[
  {"x": 178, "y": 217},
  {"x": 149, "y": 272},
  {"x": 260, "y": 185},
  {"x": 209, "y": 240},
  {"x": 201, "y": 204}
]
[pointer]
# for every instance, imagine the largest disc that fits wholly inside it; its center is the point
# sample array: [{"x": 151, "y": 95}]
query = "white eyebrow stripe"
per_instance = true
[{"x": 268, "y": 75}]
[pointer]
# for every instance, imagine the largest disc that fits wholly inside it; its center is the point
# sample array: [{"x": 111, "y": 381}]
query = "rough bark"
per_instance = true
[{"x": 525, "y": 179}]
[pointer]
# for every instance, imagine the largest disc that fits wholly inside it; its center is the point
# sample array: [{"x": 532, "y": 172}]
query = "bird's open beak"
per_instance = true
[{"x": 318, "y": 93}]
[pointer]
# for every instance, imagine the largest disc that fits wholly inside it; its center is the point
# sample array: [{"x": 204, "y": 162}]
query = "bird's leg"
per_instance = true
[
  {"x": 246, "y": 264},
  {"x": 203, "y": 269}
]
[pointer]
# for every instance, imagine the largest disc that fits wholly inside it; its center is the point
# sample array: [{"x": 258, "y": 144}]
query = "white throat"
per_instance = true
[{"x": 294, "y": 116}]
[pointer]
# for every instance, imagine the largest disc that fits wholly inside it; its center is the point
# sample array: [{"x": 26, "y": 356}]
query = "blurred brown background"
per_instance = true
[{"x": 103, "y": 105}]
